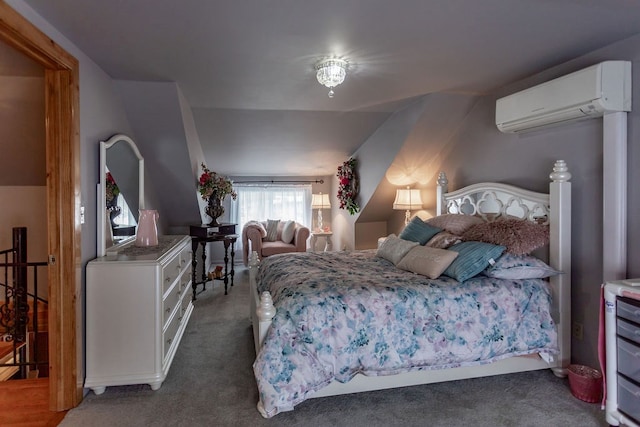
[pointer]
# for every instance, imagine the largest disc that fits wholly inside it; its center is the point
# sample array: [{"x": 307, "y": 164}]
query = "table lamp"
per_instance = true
[
  {"x": 320, "y": 201},
  {"x": 407, "y": 199}
]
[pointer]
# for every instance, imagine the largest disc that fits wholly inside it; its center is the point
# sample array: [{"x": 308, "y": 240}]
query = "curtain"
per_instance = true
[{"x": 274, "y": 201}]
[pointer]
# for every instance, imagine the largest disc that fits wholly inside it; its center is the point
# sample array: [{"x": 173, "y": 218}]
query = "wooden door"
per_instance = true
[{"x": 63, "y": 199}]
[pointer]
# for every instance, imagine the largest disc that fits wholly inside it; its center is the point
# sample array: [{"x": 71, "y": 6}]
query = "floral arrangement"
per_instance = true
[
  {"x": 213, "y": 185},
  {"x": 112, "y": 188},
  {"x": 348, "y": 186}
]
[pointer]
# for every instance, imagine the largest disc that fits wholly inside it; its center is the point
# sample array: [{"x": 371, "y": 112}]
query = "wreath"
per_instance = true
[{"x": 348, "y": 186}]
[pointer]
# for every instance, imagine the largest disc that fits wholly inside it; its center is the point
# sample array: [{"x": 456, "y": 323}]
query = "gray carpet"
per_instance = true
[{"x": 211, "y": 384}]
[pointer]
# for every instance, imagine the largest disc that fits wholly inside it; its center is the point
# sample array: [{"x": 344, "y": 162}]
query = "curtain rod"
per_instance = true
[{"x": 317, "y": 181}]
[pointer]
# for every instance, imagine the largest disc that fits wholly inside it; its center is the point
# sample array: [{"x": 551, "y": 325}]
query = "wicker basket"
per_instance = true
[{"x": 585, "y": 383}]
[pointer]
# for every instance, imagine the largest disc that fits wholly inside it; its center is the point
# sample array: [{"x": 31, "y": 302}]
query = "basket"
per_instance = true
[{"x": 585, "y": 383}]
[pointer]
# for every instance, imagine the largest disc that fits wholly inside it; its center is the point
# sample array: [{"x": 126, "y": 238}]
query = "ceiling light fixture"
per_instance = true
[{"x": 331, "y": 72}]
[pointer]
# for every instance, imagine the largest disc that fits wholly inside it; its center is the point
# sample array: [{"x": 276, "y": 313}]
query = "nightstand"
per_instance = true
[{"x": 328, "y": 245}]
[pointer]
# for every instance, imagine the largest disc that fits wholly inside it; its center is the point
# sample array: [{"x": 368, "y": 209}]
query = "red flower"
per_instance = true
[
  {"x": 210, "y": 184},
  {"x": 347, "y": 180}
]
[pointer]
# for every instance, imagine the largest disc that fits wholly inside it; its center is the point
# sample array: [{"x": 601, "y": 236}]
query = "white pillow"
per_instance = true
[
  {"x": 288, "y": 230},
  {"x": 430, "y": 262},
  {"x": 394, "y": 248}
]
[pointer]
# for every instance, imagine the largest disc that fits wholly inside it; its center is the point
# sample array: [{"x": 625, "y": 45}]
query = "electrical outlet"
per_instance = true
[{"x": 577, "y": 331}]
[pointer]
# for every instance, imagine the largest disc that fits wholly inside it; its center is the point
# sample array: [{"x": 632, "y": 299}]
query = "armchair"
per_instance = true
[{"x": 254, "y": 238}]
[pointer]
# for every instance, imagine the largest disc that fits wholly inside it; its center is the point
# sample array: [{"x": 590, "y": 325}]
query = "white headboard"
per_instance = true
[{"x": 490, "y": 200}]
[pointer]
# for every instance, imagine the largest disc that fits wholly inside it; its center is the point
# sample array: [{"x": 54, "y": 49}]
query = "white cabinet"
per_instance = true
[
  {"x": 622, "y": 333},
  {"x": 138, "y": 306}
]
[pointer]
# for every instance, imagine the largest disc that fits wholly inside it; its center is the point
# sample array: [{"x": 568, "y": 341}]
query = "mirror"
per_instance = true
[{"x": 120, "y": 192}]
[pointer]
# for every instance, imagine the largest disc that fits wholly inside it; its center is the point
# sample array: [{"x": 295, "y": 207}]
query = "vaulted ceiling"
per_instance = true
[{"x": 247, "y": 67}]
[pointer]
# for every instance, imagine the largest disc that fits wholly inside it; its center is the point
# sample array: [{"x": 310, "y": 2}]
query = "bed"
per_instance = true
[{"x": 344, "y": 322}]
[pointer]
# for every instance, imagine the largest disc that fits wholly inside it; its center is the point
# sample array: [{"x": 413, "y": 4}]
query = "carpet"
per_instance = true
[{"x": 211, "y": 383}]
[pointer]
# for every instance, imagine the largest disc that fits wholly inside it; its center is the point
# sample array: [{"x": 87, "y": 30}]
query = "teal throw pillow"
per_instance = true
[
  {"x": 419, "y": 231},
  {"x": 473, "y": 258}
]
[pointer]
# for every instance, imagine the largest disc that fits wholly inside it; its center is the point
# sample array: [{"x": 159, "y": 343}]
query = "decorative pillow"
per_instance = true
[
  {"x": 520, "y": 236},
  {"x": 288, "y": 231},
  {"x": 455, "y": 223},
  {"x": 418, "y": 231},
  {"x": 430, "y": 262},
  {"x": 516, "y": 267},
  {"x": 394, "y": 248},
  {"x": 443, "y": 240},
  {"x": 272, "y": 230},
  {"x": 472, "y": 259}
]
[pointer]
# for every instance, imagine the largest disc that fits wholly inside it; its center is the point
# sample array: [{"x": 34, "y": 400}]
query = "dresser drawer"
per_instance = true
[
  {"x": 629, "y": 359},
  {"x": 628, "y": 309},
  {"x": 186, "y": 257},
  {"x": 169, "y": 303},
  {"x": 170, "y": 273},
  {"x": 169, "y": 335},
  {"x": 630, "y": 331},
  {"x": 629, "y": 398},
  {"x": 186, "y": 301},
  {"x": 185, "y": 280}
]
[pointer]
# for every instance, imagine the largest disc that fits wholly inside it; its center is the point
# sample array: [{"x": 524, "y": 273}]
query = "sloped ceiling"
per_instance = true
[{"x": 247, "y": 67}]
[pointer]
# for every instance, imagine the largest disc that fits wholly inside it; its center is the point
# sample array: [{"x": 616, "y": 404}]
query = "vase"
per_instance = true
[
  {"x": 147, "y": 233},
  {"x": 214, "y": 209}
]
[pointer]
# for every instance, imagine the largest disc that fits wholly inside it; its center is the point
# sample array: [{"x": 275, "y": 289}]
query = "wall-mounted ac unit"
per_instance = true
[{"x": 588, "y": 93}]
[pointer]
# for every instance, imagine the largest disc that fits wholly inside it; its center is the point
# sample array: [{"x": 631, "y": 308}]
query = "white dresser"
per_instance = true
[
  {"x": 622, "y": 333},
  {"x": 138, "y": 306}
]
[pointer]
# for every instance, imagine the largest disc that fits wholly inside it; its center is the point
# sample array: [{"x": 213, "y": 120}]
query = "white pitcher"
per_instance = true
[{"x": 147, "y": 233}]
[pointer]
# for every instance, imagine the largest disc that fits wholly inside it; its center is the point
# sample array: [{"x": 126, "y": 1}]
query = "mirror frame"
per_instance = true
[{"x": 101, "y": 193}]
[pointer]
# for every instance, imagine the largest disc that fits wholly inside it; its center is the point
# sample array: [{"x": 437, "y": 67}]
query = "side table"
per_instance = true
[
  {"x": 328, "y": 245},
  {"x": 202, "y": 234}
]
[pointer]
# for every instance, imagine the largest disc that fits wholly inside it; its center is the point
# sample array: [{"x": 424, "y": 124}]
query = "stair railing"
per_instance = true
[{"x": 16, "y": 323}]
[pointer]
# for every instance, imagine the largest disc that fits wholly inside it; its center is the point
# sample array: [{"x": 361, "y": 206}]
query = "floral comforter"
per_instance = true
[{"x": 343, "y": 313}]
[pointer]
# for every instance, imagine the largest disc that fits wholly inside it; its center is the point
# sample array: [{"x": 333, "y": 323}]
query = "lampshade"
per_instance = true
[
  {"x": 320, "y": 201},
  {"x": 407, "y": 199}
]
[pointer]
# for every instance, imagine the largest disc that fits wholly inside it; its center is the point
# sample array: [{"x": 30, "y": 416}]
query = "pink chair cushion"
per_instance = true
[{"x": 277, "y": 247}]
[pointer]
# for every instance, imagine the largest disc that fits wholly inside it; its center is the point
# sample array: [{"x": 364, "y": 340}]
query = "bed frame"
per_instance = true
[{"x": 488, "y": 200}]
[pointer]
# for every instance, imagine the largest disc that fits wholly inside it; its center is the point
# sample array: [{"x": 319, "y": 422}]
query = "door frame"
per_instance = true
[{"x": 62, "y": 127}]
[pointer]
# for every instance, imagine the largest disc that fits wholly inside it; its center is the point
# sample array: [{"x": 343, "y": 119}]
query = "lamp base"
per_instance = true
[{"x": 407, "y": 217}]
